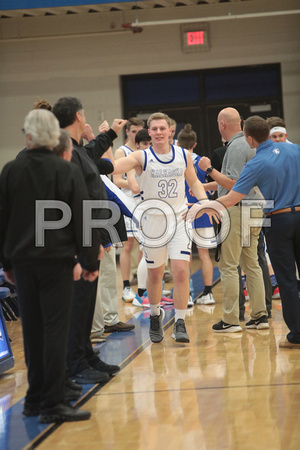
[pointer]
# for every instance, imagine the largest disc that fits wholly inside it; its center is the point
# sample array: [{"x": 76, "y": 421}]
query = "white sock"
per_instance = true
[
  {"x": 155, "y": 310},
  {"x": 180, "y": 314},
  {"x": 142, "y": 273}
]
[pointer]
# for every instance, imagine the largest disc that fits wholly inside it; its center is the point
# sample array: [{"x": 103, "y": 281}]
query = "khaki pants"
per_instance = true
[
  {"x": 233, "y": 254},
  {"x": 107, "y": 294}
]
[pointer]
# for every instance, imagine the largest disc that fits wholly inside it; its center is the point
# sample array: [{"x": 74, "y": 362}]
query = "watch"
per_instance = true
[{"x": 209, "y": 170}]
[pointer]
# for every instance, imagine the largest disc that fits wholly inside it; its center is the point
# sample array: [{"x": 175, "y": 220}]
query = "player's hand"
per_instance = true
[
  {"x": 118, "y": 124},
  {"x": 198, "y": 209}
]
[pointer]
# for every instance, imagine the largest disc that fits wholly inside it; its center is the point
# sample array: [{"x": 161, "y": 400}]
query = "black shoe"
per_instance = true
[
  {"x": 109, "y": 369},
  {"x": 222, "y": 327},
  {"x": 72, "y": 385},
  {"x": 90, "y": 376},
  {"x": 31, "y": 409},
  {"x": 62, "y": 412},
  {"x": 259, "y": 324},
  {"x": 71, "y": 394},
  {"x": 120, "y": 326}
]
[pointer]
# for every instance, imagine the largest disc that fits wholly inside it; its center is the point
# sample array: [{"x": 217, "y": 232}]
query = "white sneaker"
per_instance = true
[
  {"x": 128, "y": 295},
  {"x": 166, "y": 292},
  {"x": 190, "y": 302},
  {"x": 206, "y": 299}
]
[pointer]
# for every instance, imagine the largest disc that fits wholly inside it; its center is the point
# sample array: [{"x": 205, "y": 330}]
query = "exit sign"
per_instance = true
[{"x": 195, "y": 37}]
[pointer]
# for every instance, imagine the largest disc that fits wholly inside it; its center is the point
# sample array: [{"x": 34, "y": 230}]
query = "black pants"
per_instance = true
[
  {"x": 80, "y": 353},
  {"x": 262, "y": 261},
  {"x": 45, "y": 296},
  {"x": 283, "y": 242},
  {"x": 241, "y": 296}
]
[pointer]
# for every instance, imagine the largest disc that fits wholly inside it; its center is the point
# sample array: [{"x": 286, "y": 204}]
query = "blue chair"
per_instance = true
[
  {"x": 4, "y": 293},
  {"x": 8, "y": 298},
  {"x": 8, "y": 308}
]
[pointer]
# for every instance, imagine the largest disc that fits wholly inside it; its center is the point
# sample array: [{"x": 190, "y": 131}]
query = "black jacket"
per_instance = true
[
  {"x": 40, "y": 175},
  {"x": 87, "y": 158}
]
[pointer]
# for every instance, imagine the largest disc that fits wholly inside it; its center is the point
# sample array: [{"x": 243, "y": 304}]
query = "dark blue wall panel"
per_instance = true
[{"x": 29, "y": 4}]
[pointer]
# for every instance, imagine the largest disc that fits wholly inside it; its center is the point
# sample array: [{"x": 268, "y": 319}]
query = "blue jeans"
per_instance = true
[{"x": 283, "y": 242}]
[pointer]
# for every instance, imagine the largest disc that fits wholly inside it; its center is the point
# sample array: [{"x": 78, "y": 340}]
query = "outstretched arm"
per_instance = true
[
  {"x": 216, "y": 206},
  {"x": 132, "y": 183},
  {"x": 211, "y": 186},
  {"x": 219, "y": 177},
  {"x": 125, "y": 164},
  {"x": 230, "y": 199}
]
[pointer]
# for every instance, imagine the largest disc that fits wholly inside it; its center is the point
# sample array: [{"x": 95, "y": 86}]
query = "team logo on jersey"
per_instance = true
[
  {"x": 276, "y": 151},
  {"x": 167, "y": 172}
]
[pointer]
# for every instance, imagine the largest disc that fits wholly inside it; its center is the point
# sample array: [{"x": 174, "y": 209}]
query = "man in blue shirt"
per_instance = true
[
  {"x": 233, "y": 253},
  {"x": 282, "y": 161}
]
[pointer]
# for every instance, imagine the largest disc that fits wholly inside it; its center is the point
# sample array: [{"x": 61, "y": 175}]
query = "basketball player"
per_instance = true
[
  {"x": 161, "y": 173},
  {"x": 128, "y": 184},
  {"x": 187, "y": 138}
]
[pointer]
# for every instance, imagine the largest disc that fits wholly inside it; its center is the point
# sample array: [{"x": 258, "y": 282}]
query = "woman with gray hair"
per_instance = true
[
  {"x": 41, "y": 129},
  {"x": 43, "y": 271}
]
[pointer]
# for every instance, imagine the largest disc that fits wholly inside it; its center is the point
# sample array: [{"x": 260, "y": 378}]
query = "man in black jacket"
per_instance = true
[
  {"x": 84, "y": 366},
  {"x": 39, "y": 259}
]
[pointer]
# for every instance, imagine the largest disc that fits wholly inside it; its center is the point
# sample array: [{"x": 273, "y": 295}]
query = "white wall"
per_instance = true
[{"x": 89, "y": 67}]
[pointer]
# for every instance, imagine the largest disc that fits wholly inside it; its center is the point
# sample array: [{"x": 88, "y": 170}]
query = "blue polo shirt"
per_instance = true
[{"x": 275, "y": 170}]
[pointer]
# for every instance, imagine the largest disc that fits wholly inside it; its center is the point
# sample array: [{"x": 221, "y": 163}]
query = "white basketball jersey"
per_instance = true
[
  {"x": 163, "y": 178},
  {"x": 127, "y": 151}
]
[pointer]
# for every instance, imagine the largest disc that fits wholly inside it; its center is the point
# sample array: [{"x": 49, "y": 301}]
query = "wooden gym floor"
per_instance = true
[{"x": 221, "y": 391}]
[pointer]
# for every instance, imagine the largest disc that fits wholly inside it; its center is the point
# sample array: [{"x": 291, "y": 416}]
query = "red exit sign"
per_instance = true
[{"x": 195, "y": 38}]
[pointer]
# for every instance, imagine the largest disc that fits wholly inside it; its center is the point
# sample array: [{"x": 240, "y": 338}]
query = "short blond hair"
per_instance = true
[{"x": 159, "y": 116}]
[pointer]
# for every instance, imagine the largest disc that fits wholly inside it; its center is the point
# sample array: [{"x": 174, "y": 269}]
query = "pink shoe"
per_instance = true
[
  {"x": 145, "y": 302},
  {"x": 167, "y": 301}
]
